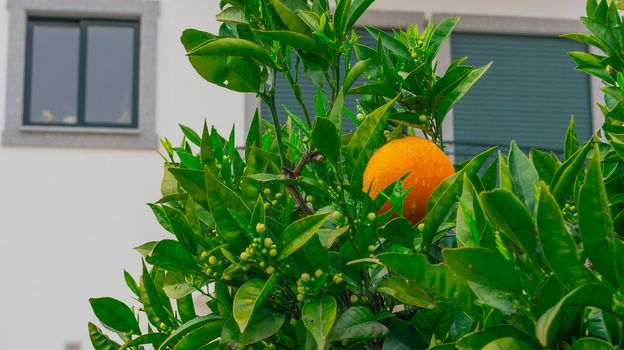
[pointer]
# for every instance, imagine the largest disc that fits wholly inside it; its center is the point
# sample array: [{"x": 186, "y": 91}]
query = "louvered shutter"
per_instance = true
[{"x": 528, "y": 94}]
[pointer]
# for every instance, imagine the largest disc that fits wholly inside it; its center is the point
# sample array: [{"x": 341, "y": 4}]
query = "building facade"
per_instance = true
[{"x": 75, "y": 176}]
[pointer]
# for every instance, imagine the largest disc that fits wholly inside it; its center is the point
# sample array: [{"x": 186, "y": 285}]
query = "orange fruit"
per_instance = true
[{"x": 426, "y": 165}]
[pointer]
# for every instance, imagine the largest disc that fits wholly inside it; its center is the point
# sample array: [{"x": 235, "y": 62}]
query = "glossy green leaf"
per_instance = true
[
  {"x": 99, "y": 340},
  {"x": 115, "y": 315},
  {"x": 524, "y": 176},
  {"x": 249, "y": 297},
  {"x": 232, "y": 15},
  {"x": 189, "y": 327},
  {"x": 511, "y": 217},
  {"x": 232, "y": 47},
  {"x": 452, "y": 97},
  {"x": 479, "y": 339},
  {"x": 484, "y": 266},
  {"x": 398, "y": 231},
  {"x": 289, "y": 17},
  {"x": 172, "y": 256},
  {"x": 508, "y": 343},
  {"x": 472, "y": 225},
  {"x": 318, "y": 317},
  {"x": 441, "y": 32},
  {"x": 595, "y": 225},
  {"x": 258, "y": 331},
  {"x": 546, "y": 165},
  {"x": 326, "y": 139},
  {"x": 389, "y": 42},
  {"x": 294, "y": 39},
  {"x": 328, "y": 236},
  {"x": 571, "y": 142},
  {"x": 557, "y": 245},
  {"x": 298, "y": 233},
  {"x": 358, "y": 7},
  {"x": 565, "y": 177},
  {"x": 181, "y": 228},
  {"x": 193, "y": 182},
  {"x": 357, "y": 323},
  {"x": 153, "y": 304},
  {"x": 150, "y": 338},
  {"x": 586, "y": 295},
  {"x": 493, "y": 297},
  {"x": 341, "y": 16},
  {"x": 591, "y": 344},
  {"x": 356, "y": 71},
  {"x": 406, "y": 291},
  {"x": 201, "y": 336}
]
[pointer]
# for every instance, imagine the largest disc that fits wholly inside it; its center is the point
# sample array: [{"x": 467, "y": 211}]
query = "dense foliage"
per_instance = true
[{"x": 517, "y": 251}]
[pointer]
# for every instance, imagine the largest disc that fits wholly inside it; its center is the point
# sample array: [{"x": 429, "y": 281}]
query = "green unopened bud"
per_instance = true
[
  {"x": 212, "y": 260},
  {"x": 268, "y": 242},
  {"x": 300, "y": 297},
  {"x": 371, "y": 248},
  {"x": 203, "y": 255},
  {"x": 318, "y": 273},
  {"x": 264, "y": 251},
  {"x": 266, "y": 206},
  {"x": 227, "y": 277},
  {"x": 354, "y": 299},
  {"x": 278, "y": 195},
  {"x": 305, "y": 139},
  {"x": 305, "y": 277},
  {"x": 300, "y": 290},
  {"x": 371, "y": 217},
  {"x": 420, "y": 42},
  {"x": 421, "y": 227},
  {"x": 260, "y": 227},
  {"x": 219, "y": 166},
  {"x": 274, "y": 202},
  {"x": 162, "y": 325},
  {"x": 360, "y": 116},
  {"x": 610, "y": 69},
  {"x": 262, "y": 264},
  {"x": 245, "y": 268},
  {"x": 337, "y": 278},
  {"x": 293, "y": 321},
  {"x": 270, "y": 270},
  {"x": 336, "y": 215},
  {"x": 414, "y": 55},
  {"x": 309, "y": 198},
  {"x": 208, "y": 271},
  {"x": 244, "y": 256},
  {"x": 344, "y": 342},
  {"x": 267, "y": 191},
  {"x": 273, "y": 252},
  {"x": 422, "y": 119}
]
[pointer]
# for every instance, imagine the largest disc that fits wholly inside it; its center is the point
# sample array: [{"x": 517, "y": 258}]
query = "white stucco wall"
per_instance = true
[{"x": 69, "y": 217}]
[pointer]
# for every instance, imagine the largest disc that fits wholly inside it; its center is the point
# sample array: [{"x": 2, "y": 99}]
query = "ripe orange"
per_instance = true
[{"x": 426, "y": 165}]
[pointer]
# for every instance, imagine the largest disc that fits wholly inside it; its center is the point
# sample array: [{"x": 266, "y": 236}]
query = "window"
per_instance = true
[
  {"x": 81, "y": 73},
  {"x": 528, "y": 94}
]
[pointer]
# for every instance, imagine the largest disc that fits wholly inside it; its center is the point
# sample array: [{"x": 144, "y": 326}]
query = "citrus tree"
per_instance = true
[{"x": 312, "y": 237}]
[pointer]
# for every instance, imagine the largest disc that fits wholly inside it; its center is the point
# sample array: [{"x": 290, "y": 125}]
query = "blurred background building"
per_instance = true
[{"x": 87, "y": 87}]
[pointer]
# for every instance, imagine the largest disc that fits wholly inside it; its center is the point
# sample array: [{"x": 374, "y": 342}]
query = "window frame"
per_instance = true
[
  {"x": 144, "y": 136},
  {"x": 83, "y": 25},
  {"x": 511, "y": 25}
]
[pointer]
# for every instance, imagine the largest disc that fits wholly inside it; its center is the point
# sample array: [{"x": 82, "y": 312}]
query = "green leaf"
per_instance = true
[
  {"x": 153, "y": 304},
  {"x": 172, "y": 256},
  {"x": 571, "y": 142},
  {"x": 298, "y": 233},
  {"x": 99, "y": 340},
  {"x": 131, "y": 283},
  {"x": 565, "y": 176},
  {"x": 341, "y": 16},
  {"x": 290, "y": 18},
  {"x": 511, "y": 217},
  {"x": 318, "y": 317},
  {"x": 358, "y": 7},
  {"x": 441, "y": 32},
  {"x": 398, "y": 231},
  {"x": 355, "y": 72},
  {"x": 406, "y": 291},
  {"x": 181, "y": 228},
  {"x": 389, "y": 42},
  {"x": 197, "y": 338},
  {"x": 479, "y": 339},
  {"x": 508, "y": 343},
  {"x": 184, "y": 330},
  {"x": 328, "y": 236},
  {"x": 175, "y": 286},
  {"x": 294, "y": 39},
  {"x": 232, "y": 15},
  {"x": 557, "y": 245},
  {"x": 484, "y": 266},
  {"x": 546, "y": 165},
  {"x": 190, "y": 134},
  {"x": 249, "y": 297},
  {"x": 453, "y": 96},
  {"x": 472, "y": 224},
  {"x": 150, "y": 338},
  {"x": 493, "y": 297},
  {"x": 594, "y": 295},
  {"x": 326, "y": 139},
  {"x": 591, "y": 344},
  {"x": 193, "y": 182},
  {"x": 115, "y": 315},
  {"x": 595, "y": 225},
  {"x": 232, "y": 47},
  {"x": 357, "y": 323},
  {"x": 437, "y": 280},
  {"x": 263, "y": 329},
  {"x": 222, "y": 201},
  {"x": 524, "y": 176}
]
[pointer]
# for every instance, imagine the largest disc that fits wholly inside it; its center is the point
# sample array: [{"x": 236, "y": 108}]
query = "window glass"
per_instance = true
[
  {"x": 55, "y": 53},
  {"x": 109, "y": 92}
]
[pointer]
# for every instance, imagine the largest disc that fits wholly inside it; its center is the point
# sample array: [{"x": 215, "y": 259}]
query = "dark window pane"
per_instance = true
[
  {"x": 528, "y": 94},
  {"x": 109, "y": 97},
  {"x": 54, "y": 74}
]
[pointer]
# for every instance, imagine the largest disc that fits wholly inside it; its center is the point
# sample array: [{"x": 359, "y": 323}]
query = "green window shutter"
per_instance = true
[
  {"x": 286, "y": 98},
  {"x": 528, "y": 94}
]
